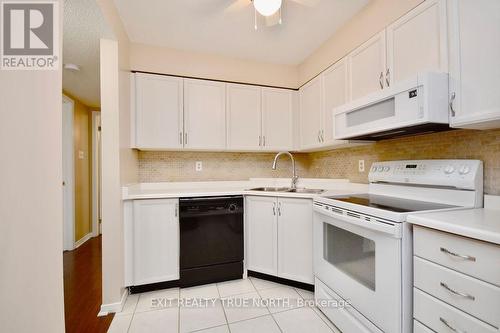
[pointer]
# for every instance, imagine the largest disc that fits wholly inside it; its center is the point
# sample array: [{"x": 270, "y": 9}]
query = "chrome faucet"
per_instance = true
[{"x": 294, "y": 175}]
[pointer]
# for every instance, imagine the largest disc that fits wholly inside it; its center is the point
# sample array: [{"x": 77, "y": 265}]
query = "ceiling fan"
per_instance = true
[{"x": 269, "y": 9}]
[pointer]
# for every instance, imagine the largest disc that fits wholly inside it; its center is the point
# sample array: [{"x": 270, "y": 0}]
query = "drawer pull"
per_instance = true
[
  {"x": 445, "y": 286},
  {"x": 461, "y": 256},
  {"x": 447, "y": 324}
]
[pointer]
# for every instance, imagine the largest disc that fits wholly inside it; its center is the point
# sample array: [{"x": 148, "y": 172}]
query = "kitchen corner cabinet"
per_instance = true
[
  {"x": 279, "y": 237},
  {"x": 155, "y": 235},
  {"x": 310, "y": 100},
  {"x": 243, "y": 117},
  {"x": 204, "y": 115},
  {"x": 277, "y": 119},
  {"x": 367, "y": 67},
  {"x": 158, "y": 111},
  {"x": 474, "y": 43},
  {"x": 417, "y": 42}
]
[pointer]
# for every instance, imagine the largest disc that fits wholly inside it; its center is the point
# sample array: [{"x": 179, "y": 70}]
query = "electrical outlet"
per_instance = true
[
  {"x": 361, "y": 165},
  {"x": 199, "y": 166}
]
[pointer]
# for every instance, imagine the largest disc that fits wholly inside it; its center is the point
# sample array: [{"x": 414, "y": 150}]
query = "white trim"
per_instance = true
[
  {"x": 69, "y": 206},
  {"x": 82, "y": 240},
  {"x": 96, "y": 119},
  {"x": 113, "y": 307}
]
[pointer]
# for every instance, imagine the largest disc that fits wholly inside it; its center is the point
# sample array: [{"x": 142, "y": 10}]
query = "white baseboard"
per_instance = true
[
  {"x": 82, "y": 240},
  {"x": 113, "y": 307}
]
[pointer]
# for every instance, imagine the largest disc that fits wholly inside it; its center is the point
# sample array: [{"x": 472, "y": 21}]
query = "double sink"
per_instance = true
[{"x": 287, "y": 190}]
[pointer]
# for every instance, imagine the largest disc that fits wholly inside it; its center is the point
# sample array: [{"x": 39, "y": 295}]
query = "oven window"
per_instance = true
[{"x": 351, "y": 253}]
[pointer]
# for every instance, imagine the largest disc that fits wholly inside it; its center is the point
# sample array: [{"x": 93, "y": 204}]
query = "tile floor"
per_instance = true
[{"x": 240, "y": 306}]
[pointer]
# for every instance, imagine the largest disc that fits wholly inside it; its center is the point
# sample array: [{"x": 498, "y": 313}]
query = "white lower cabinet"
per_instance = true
[
  {"x": 155, "y": 235},
  {"x": 279, "y": 237}
]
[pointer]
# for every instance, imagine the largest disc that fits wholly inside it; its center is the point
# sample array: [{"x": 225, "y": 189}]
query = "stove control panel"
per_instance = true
[{"x": 463, "y": 174}]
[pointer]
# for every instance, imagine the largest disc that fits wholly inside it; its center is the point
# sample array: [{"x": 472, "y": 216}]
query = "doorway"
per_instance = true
[{"x": 68, "y": 174}]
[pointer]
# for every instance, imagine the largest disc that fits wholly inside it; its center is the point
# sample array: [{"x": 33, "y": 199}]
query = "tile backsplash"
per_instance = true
[{"x": 340, "y": 163}]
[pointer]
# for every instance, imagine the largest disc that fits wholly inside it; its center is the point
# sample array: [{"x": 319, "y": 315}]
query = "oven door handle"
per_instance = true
[{"x": 384, "y": 227}]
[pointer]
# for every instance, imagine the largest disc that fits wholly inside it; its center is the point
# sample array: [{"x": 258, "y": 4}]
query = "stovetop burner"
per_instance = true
[{"x": 392, "y": 204}]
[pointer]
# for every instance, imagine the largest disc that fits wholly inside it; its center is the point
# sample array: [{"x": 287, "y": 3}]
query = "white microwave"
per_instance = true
[{"x": 415, "y": 106}]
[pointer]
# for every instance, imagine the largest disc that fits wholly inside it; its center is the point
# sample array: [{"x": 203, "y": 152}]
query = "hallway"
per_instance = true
[{"x": 82, "y": 288}]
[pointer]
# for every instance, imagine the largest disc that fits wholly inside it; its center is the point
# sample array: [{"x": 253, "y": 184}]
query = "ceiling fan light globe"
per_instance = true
[{"x": 267, "y": 7}]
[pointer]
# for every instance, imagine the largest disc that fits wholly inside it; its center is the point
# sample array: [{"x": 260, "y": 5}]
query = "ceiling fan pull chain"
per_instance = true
[{"x": 255, "y": 18}]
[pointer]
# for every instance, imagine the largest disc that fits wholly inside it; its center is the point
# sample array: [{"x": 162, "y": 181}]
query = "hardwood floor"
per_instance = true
[{"x": 82, "y": 289}]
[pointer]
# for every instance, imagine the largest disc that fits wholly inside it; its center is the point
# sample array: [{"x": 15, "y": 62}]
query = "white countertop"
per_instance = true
[
  {"x": 220, "y": 188},
  {"x": 481, "y": 223}
]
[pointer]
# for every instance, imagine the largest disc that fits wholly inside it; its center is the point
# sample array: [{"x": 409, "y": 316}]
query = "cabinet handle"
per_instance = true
[
  {"x": 185, "y": 138},
  {"x": 445, "y": 286},
  {"x": 322, "y": 136},
  {"x": 447, "y": 324},
  {"x": 381, "y": 80},
  {"x": 452, "y": 99},
  {"x": 176, "y": 210},
  {"x": 180, "y": 138},
  {"x": 319, "y": 136},
  {"x": 279, "y": 209},
  {"x": 274, "y": 209},
  {"x": 461, "y": 256},
  {"x": 388, "y": 77},
  {"x": 260, "y": 141},
  {"x": 264, "y": 141}
]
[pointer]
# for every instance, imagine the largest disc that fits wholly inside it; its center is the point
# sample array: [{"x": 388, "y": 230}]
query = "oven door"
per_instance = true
[{"x": 360, "y": 260}]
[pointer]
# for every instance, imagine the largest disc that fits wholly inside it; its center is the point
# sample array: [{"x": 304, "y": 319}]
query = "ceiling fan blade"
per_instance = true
[
  {"x": 273, "y": 19},
  {"x": 237, "y": 5},
  {"x": 307, "y": 3}
]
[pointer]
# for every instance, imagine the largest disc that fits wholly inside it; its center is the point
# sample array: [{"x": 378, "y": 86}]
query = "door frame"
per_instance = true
[
  {"x": 96, "y": 173},
  {"x": 69, "y": 182}
]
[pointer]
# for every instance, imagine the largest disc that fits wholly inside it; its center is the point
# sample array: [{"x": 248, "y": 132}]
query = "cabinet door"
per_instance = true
[
  {"x": 474, "y": 29},
  {"x": 243, "y": 117},
  {"x": 417, "y": 42},
  {"x": 295, "y": 247},
  {"x": 277, "y": 119},
  {"x": 204, "y": 115},
  {"x": 261, "y": 234},
  {"x": 310, "y": 114},
  {"x": 158, "y": 111},
  {"x": 156, "y": 241},
  {"x": 367, "y": 67},
  {"x": 336, "y": 93}
]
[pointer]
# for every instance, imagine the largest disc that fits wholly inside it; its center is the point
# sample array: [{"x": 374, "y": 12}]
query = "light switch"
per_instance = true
[
  {"x": 81, "y": 155},
  {"x": 199, "y": 166}
]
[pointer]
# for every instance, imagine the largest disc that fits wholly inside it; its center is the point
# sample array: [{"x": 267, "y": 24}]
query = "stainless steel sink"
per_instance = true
[
  {"x": 288, "y": 189},
  {"x": 271, "y": 189},
  {"x": 306, "y": 190}
]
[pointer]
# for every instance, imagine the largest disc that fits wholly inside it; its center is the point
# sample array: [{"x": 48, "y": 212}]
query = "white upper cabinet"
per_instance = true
[
  {"x": 277, "y": 119},
  {"x": 243, "y": 117},
  {"x": 474, "y": 30},
  {"x": 335, "y": 93},
  {"x": 158, "y": 111},
  {"x": 310, "y": 111},
  {"x": 155, "y": 241},
  {"x": 204, "y": 115},
  {"x": 417, "y": 42},
  {"x": 295, "y": 239},
  {"x": 367, "y": 66}
]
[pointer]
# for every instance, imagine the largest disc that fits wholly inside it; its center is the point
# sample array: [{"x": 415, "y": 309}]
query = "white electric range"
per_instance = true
[{"x": 363, "y": 246}]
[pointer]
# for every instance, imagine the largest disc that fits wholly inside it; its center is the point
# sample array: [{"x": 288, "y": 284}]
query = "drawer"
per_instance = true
[
  {"x": 442, "y": 317},
  {"x": 472, "y": 257},
  {"x": 483, "y": 300},
  {"x": 346, "y": 318},
  {"x": 418, "y": 327}
]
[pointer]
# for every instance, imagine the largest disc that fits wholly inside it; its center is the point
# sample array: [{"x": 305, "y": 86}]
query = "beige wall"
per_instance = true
[
  {"x": 31, "y": 223},
  {"x": 185, "y": 63},
  {"x": 370, "y": 20},
  {"x": 341, "y": 163}
]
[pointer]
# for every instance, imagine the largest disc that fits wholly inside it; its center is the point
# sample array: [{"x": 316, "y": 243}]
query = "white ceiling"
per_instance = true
[
  {"x": 83, "y": 26},
  {"x": 226, "y": 27}
]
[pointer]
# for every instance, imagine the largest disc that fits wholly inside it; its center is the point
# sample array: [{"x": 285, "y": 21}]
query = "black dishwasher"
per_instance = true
[{"x": 211, "y": 239}]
